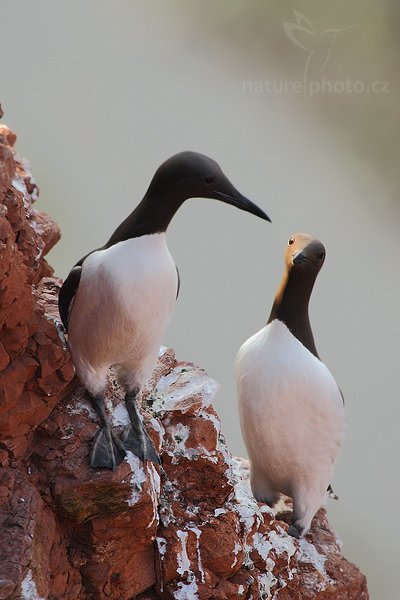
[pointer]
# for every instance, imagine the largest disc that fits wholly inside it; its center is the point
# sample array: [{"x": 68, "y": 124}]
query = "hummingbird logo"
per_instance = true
[{"x": 318, "y": 45}]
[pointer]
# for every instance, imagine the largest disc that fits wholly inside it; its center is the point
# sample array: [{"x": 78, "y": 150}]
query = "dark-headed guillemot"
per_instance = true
[
  {"x": 291, "y": 410},
  {"x": 117, "y": 301}
]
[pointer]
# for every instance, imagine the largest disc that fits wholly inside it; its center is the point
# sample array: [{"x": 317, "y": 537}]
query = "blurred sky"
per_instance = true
[{"x": 303, "y": 118}]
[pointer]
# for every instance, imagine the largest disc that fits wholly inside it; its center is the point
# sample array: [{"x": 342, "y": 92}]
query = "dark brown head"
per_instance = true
[
  {"x": 304, "y": 252},
  {"x": 304, "y": 257}
]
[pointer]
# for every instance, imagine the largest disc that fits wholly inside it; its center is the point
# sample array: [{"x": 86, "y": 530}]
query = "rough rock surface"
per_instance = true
[
  {"x": 190, "y": 529},
  {"x": 35, "y": 368}
]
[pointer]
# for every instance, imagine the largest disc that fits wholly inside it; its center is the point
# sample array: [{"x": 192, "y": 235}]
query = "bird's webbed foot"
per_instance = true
[
  {"x": 139, "y": 442},
  {"x": 108, "y": 450},
  {"x": 135, "y": 437},
  {"x": 295, "y": 531}
]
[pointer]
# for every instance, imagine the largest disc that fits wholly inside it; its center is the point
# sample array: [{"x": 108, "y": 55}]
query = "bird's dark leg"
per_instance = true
[
  {"x": 135, "y": 437},
  {"x": 108, "y": 451},
  {"x": 295, "y": 531}
]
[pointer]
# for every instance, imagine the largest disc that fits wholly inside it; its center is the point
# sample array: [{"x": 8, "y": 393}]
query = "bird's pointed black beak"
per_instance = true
[
  {"x": 241, "y": 202},
  {"x": 299, "y": 258}
]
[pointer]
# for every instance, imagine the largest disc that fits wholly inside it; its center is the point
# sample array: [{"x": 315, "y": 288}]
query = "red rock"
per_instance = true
[
  {"x": 121, "y": 563},
  {"x": 7, "y": 136},
  {"x": 116, "y": 511},
  {"x": 48, "y": 230},
  {"x": 7, "y": 169},
  {"x": 4, "y": 358},
  {"x": 25, "y": 236},
  {"x": 33, "y": 554}
]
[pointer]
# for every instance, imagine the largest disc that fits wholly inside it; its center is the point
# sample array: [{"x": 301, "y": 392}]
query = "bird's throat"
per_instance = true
[{"x": 291, "y": 307}]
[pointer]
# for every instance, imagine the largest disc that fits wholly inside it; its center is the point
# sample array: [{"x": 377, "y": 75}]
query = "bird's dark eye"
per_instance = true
[
  {"x": 320, "y": 255},
  {"x": 291, "y": 241},
  {"x": 209, "y": 179}
]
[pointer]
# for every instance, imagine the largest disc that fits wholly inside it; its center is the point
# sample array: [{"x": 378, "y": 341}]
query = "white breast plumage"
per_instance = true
[
  {"x": 123, "y": 306},
  {"x": 292, "y": 417}
]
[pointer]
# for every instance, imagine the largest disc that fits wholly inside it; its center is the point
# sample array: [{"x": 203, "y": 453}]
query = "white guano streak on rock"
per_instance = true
[
  {"x": 262, "y": 545},
  {"x": 266, "y": 581},
  {"x": 162, "y": 351},
  {"x": 28, "y": 588},
  {"x": 242, "y": 500},
  {"x": 250, "y": 514},
  {"x": 167, "y": 380},
  {"x": 19, "y": 184},
  {"x": 119, "y": 414},
  {"x": 180, "y": 434},
  {"x": 282, "y": 542},
  {"x": 183, "y": 559},
  {"x": 187, "y": 591},
  {"x": 154, "y": 491},
  {"x": 207, "y": 455},
  {"x": 216, "y": 422},
  {"x": 161, "y": 545},
  {"x": 192, "y": 382},
  {"x": 199, "y": 563},
  {"x": 138, "y": 477},
  {"x": 246, "y": 506},
  {"x": 158, "y": 426},
  {"x": 162, "y": 548},
  {"x": 309, "y": 554},
  {"x": 236, "y": 549}
]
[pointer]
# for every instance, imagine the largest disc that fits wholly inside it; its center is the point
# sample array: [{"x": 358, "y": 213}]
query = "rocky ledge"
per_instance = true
[{"x": 189, "y": 529}]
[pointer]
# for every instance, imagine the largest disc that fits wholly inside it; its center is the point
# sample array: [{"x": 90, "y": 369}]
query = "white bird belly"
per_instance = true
[
  {"x": 291, "y": 411},
  {"x": 122, "y": 309}
]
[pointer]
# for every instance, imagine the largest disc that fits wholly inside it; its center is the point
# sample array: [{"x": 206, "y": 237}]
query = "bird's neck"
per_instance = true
[
  {"x": 152, "y": 215},
  {"x": 291, "y": 306}
]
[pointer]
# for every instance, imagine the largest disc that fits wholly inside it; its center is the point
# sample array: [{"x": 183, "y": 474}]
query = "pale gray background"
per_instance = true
[{"x": 101, "y": 92}]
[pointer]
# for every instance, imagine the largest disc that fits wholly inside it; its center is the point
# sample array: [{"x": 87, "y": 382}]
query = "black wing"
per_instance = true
[
  {"x": 341, "y": 393},
  {"x": 179, "y": 283},
  {"x": 69, "y": 288},
  {"x": 67, "y": 294}
]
